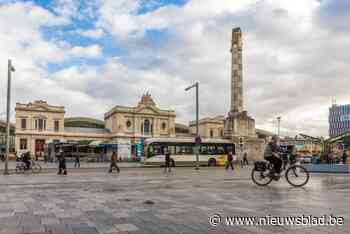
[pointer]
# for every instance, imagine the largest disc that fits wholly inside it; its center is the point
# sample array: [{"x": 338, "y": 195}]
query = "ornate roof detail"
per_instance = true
[
  {"x": 39, "y": 105},
  {"x": 145, "y": 106},
  {"x": 146, "y": 100}
]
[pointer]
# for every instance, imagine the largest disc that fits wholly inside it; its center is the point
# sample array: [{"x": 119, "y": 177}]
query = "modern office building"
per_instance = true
[{"x": 339, "y": 119}]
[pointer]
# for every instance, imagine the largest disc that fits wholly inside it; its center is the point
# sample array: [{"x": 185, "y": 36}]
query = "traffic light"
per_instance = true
[{"x": 241, "y": 140}]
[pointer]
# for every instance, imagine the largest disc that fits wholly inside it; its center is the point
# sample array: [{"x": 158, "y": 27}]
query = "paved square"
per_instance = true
[{"x": 145, "y": 200}]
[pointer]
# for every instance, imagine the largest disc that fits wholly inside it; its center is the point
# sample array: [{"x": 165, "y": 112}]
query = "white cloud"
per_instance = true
[
  {"x": 92, "y": 51},
  {"x": 92, "y": 33},
  {"x": 286, "y": 52},
  {"x": 295, "y": 57}
]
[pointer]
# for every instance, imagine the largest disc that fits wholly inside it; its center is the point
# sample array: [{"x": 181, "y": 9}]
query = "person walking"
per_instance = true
[
  {"x": 62, "y": 168},
  {"x": 245, "y": 159},
  {"x": 229, "y": 161},
  {"x": 114, "y": 159},
  {"x": 77, "y": 160},
  {"x": 168, "y": 165},
  {"x": 344, "y": 157}
]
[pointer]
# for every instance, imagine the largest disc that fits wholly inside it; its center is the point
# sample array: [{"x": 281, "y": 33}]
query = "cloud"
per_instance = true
[
  {"x": 295, "y": 56},
  {"x": 286, "y": 52},
  {"x": 92, "y": 51},
  {"x": 92, "y": 33}
]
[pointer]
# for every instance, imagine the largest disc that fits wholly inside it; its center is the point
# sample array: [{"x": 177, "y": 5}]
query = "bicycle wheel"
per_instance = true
[
  {"x": 19, "y": 169},
  {"x": 297, "y": 176},
  {"x": 261, "y": 178},
  {"x": 36, "y": 168}
]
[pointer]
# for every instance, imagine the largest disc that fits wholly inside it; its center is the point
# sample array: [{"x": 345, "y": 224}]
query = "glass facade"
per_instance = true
[{"x": 339, "y": 120}]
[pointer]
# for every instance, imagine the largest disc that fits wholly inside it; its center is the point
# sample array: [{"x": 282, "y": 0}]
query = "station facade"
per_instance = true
[{"x": 39, "y": 123}]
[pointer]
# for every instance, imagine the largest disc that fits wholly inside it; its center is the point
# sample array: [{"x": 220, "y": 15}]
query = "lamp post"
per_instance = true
[
  {"x": 196, "y": 85},
  {"x": 10, "y": 69},
  {"x": 278, "y": 126}
]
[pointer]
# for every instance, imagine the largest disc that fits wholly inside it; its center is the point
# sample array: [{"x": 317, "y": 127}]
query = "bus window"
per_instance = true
[
  {"x": 220, "y": 149},
  {"x": 179, "y": 149},
  {"x": 157, "y": 150},
  {"x": 171, "y": 149},
  {"x": 150, "y": 151},
  {"x": 229, "y": 148},
  {"x": 188, "y": 149},
  {"x": 211, "y": 149},
  {"x": 203, "y": 149}
]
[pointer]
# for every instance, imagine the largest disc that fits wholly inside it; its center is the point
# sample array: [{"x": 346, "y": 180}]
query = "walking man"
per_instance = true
[
  {"x": 229, "y": 161},
  {"x": 167, "y": 167},
  {"x": 62, "y": 164},
  {"x": 245, "y": 159},
  {"x": 344, "y": 157},
  {"x": 114, "y": 159},
  {"x": 77, "y": 160}
]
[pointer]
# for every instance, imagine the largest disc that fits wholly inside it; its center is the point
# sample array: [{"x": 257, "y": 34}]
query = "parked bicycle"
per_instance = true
[
  {"x": 34, "y": 167},
  {"x": 295, "y": 174}
]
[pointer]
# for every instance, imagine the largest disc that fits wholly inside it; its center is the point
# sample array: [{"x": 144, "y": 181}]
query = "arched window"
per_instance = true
[
  {"x": 211, "y": 133},
  {"x": 163, "y": 125},
  {"x": 128, "y": 123},
  {"x": 146, "y": 126}
]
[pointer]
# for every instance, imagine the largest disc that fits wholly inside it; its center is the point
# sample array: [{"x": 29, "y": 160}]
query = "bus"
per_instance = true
[{"x": 212, "y": 152}]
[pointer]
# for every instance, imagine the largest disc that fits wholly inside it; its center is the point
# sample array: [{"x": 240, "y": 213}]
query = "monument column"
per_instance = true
[{"x": 236, "y": 71}]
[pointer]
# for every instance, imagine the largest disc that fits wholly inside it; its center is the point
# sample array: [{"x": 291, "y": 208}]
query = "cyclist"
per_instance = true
[
  {"x": 271, "y": 154},
  {"x": 26, "y": 159}
]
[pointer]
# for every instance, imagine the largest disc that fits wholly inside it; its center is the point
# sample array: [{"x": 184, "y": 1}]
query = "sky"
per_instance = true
[{"x": 92, "y": 55}]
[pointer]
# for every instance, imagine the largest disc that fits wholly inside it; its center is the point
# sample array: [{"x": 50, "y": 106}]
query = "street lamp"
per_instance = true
[
  {"x": 198, "y": 140},
  {"x": 279, "y": 123},
  {"x": 10, "y": 69}
]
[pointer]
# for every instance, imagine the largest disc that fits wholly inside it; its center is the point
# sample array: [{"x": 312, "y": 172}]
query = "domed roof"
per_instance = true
[{"x": 83, "y": 122}]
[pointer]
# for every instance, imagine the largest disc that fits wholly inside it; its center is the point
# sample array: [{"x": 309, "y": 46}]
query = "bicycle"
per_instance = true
[
  {"x": 34, "y": 167},
  {"x": 295, "y": 174}
]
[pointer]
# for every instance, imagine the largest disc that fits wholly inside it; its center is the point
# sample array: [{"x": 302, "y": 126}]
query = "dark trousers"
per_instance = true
[
  {"x": 285, "y": 163},
  {"x": 245, "y": 161},
  {"x": 276, "y": 162},
  {"x": 112, "y": 166},
  {"x": 62, "y": 167},
  {"x": 167, "y": 167},
  {"x": 77, "y": 162},
  {"x": 229, "y": 164}
]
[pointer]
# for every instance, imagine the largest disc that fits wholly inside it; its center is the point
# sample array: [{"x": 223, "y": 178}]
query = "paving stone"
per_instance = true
[
  {"x": 49, "y": 221},
  {"x": 59, "y": 229},
  {"x": 92, "y": 202},
  {"x": 85, "y": 230},
  {"x": 126, "y": 227}
]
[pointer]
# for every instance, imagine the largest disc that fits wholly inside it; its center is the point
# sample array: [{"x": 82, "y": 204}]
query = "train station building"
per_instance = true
[{"x": 39, "y": 123}]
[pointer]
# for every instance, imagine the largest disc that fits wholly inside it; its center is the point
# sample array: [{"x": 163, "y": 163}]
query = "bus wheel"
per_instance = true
[{"x": 212, "y": 162}]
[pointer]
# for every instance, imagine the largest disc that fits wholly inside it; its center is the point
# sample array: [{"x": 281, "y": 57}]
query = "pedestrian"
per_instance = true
[
  {"x": 168, "y": 163},
  {"x": 77, "y": 160},
  {"x": 229, "y": 161},
  {"x": 114, "y": 159},
  {"x": 245, "y": 159},
  {"x": 62, "y": 168},
  {"x": 345, "y": 157}
]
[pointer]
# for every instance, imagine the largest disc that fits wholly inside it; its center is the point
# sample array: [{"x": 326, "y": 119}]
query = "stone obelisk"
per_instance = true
[
  {"x": 238, "y": 123},
  {"x": 236, "y": 71}
]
